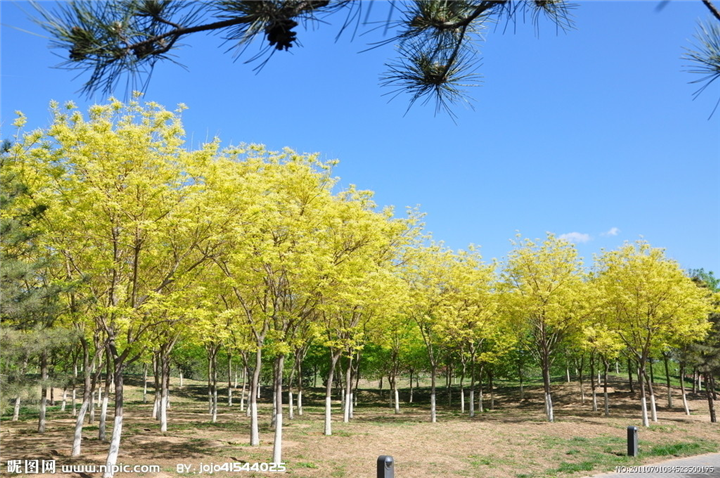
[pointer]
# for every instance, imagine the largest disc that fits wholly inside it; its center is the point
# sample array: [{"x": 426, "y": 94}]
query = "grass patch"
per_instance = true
[
  {"x": 682, "y": 449},
  {"x": 575, "y": 467}
]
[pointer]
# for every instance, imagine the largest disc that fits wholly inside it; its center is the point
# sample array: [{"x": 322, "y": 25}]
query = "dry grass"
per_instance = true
[{"x": 514, "y": 440}]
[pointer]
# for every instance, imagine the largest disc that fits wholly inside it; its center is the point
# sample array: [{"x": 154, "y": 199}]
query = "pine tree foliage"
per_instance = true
[{"x": 437, "y": 40}]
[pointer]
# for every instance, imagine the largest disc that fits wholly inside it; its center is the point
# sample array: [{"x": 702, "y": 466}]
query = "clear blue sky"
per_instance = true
[{"x": 593, "y": 132}]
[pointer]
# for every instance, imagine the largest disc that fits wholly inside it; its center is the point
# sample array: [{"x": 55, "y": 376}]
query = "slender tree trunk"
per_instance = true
[
  {"x": 87, "y": 399},
  {"x": 593, "y": 386},
  {"x": 481, "y": 407},
  {"x": 709, "y": 395},
  {"x": 682, "y": 389},
  {"x": 462, "y": 388},
  {"x": 653, "y": 407},
  {"x": 244, "y": 388},
  {"x": 277, "y": 442},
  {"x": 112, "y": 457},
  {"x": 254, "y": 390},
  {"x": 157, "y": 379},
  {"x": 471, "y": 397},
  {"x": 164, "y": 387},
  {"x": 334, "y": 356},
  {"x": 410, "y": 400},
  {"x": 348, "y": 391},
  {"x": 43, "y": 391},
  {"x": 667, "y": 380},
  {"x": 643, "y": 398},
  {"x": 492, "y": 389},
  {"x": 606, "y": 398},
  {"x": 580, "y": 377},
  {"x": 16, "y": 408},
  {"x": 229, "y": 378},
  {"x": 74, "y": 389},
  {"x": 433, "y": 408},
  {"x": 144, "y": 383},
  {"x": 104, "y": 407},
  {"x": 549, "y": 412},
  {"x": 630, "y": 379}
]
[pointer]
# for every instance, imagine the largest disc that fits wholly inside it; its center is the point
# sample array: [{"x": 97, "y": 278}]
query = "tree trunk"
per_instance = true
[
  {"x": 112, "y": 457},
  {"x": 74, "y": 389},
  {"x": 471, "y": 397},
  {"x": 87, "y": 400},
  {"x": 334, "y": 356},
  {"x": 229, "y": 378},
  {"x": 606, "y": 398},
  {"x": 410, "y": 400},
  {"x": 709, "y": 394},
  {"x": 593, "y": 387},
  {"x": 144, "y": 383},
  {"x": 653, "y": 406},
  {"x": 43, "y": 391},
  {"x": 16, "y": 408},
  {"x": 277, "y": 442},
  {"x": 630, "y": 380},
  {"x": 580, "y": 378},
  {"x": 549, "y": 412},
  {"x": 348, "y": 391},
  {"x": 103, "y": 410},
  {"x": 643, "y": 399},
  {"x": 157, "y": 383},
  {"x": 682, "y": 389},
  {"x": 164, "y": 387},
  {"x": 254, "y": 390},
  {"x": 433, "y": 409},
  {"x": 667, "y": 380}
]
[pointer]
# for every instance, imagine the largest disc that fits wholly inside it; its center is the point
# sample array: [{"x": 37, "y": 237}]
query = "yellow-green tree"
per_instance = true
[
  {"x": 649, "y": 303},
  {"x": 121, "y": 216},
  {"x": 543, "y": 294}
]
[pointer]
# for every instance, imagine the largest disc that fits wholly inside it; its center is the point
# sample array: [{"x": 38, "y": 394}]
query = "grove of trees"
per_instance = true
[{"x": 121, "y": 248}]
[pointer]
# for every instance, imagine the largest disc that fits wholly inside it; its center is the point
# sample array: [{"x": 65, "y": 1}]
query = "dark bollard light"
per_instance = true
[
  {"x": 385, "y": 467},
  {"x": 632, "y": 441}
]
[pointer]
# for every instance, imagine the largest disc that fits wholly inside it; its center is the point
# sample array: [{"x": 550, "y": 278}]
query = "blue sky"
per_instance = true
[{"x": 592, "y": 133}]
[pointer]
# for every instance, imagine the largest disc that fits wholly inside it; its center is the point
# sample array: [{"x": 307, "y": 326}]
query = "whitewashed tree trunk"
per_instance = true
[
  {"x": 682, "y": 389},
  {"x": 16, "y": 409},
  {"x": 462, "y": 400},
  {"x": 334, "y": 356},
  {"x": 397, "y": 400},
  {"x": 643, "y": 399},
  {"x": 299, "y": 402},
  {"x": 471, "y": 401},
  {"x": 277, "y": 442},
  {"x": 63, "y": 405},
  {"x": 348, "y": 392},
  {"x": 77, "y": 437},
  {"x": 291, "y": 406},
  {"x": 433, "y": 407},
  {"x": 254, "y": 393},
  {"x": 653, "y": 406}
]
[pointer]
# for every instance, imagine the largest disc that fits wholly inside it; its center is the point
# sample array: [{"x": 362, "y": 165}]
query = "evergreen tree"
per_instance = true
[
  {"x": 29, "y": 304},
  {"x": 436, "y": 39}
]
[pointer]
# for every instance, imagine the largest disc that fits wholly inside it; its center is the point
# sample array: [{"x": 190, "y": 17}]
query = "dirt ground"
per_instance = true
[{"x": 513, "y": 440}]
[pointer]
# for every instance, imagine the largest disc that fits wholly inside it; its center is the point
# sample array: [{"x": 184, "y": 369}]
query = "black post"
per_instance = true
[
  {"x": 385, "y": 467},
  {"x": 632, "y": 441}
]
